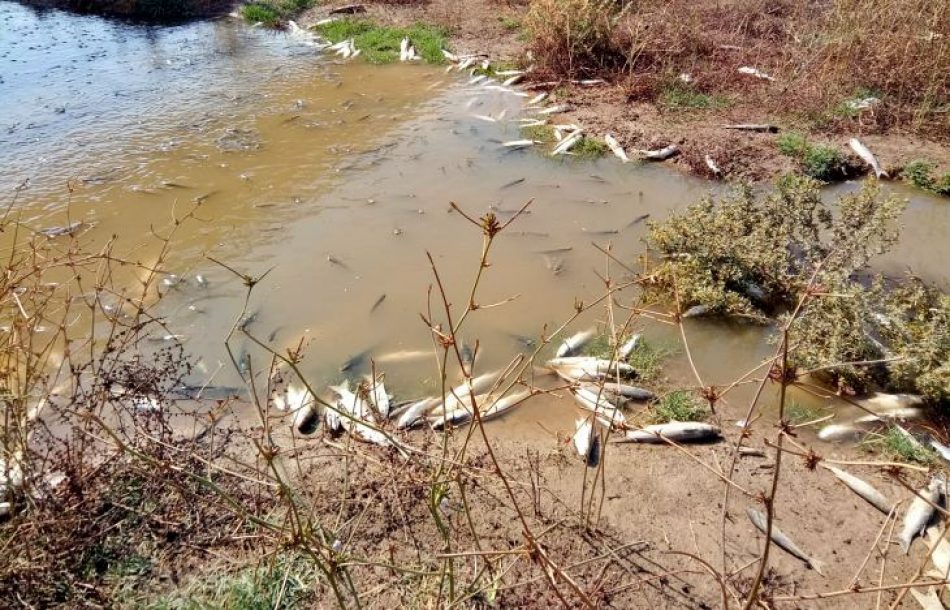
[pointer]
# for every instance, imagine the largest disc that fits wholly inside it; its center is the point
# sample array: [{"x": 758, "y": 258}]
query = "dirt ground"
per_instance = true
[{"x": 479, "y": 26}]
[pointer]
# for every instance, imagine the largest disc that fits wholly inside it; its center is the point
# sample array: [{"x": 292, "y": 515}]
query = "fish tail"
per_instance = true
[
  {"x": 817, "y": 566},
  {"x": 905, "y": 545}
]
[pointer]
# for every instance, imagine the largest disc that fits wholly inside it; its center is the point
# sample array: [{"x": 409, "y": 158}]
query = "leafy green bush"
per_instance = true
[
  {"x": 757, "y": 258},
  {"x": 380, "y": 44},
  {"x": 261, "y": 13},
  {"x": 679, "y": 406},
  {"x": 820, "y": 162},
  {"x": 920, "y": 173}
]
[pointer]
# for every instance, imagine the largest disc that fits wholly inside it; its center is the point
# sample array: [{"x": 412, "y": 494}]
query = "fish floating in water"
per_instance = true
[
  {"x": 518, "y": 143},
  {"x": 920, "y": 512},
  {"x": 575, "y": 343},
  {"x": 677, "y": 431},
  {"x": 867, "y": 156},
  {"x": 782, "y": 540}
]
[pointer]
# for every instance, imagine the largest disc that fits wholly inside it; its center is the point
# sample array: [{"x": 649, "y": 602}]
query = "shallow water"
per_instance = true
[{"x": 336, "y": 179}]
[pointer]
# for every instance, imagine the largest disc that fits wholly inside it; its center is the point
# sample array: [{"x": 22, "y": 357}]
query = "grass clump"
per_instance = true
[
  {"x": 820, "y": 162},
  {"x": 380, "y": 44},
  {"x": 589, "y": 148},
  {"x": 510, "y": 23},
  {"x": 686, "y": 98},
  {"x": 272, "y": 13},
  {"x": 897, "y": 445},
  {"x": 920, "y": 173},
  {"x": 758, "y": 256},
  {"x": 282, "y": 585},
  {"x": 678, "y": 406},
  {"x": 797, "y": 413},
  {"x": 539, "y": 133}
]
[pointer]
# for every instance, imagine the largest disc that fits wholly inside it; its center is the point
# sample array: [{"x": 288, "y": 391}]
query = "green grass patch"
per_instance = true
[
  {"x": 895, "y": 445},
  {"x": 679, "y": 406},
  {"x": 539, "y": 133},
  {"x": 494, "y": 68},
  {"x": 380, "y": 45},
  {"x": 686, "y": 98},
  {"x": 797, "y": 413},
  {"x": 820, "y": 162},
  {"x": 285, "y": 585},
  {"x": 510, "y": 23},
  {"x": 590, "y": 148},
  {"x": 921, "y": 174},
  {"x": 272, "y": 13}
]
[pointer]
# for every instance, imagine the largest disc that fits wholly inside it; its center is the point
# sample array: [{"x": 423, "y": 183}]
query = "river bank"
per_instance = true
[{"x": 663, "y": 104}]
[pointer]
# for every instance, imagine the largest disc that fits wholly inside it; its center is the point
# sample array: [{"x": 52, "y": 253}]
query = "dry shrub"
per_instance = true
[{"x": 822, "y": 53}]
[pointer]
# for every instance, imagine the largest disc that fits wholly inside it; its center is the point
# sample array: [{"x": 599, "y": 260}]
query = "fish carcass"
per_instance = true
[
  {"x": 357, "y": 418},
  {"x": 920, "y": 513},
  {"x": 677, "y": 431},
  {"x": 661, "y": 154},
  {"x": 586, "y": 441},
  {"x": 588, "y": 368},
  {"x": 863, "y": 489},
  {"x": 867, "y": 156},
  {"x": 616, "y": 148},
  {"x": 608, "y": 412},
  {"x": 575, "y": 343},
  {"x": 784, "y": 542}
]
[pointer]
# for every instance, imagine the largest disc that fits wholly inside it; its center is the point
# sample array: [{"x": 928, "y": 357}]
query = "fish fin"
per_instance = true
[{"x": 905, "y": 545}]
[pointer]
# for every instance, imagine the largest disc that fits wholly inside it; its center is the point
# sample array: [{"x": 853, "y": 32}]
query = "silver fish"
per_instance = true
[
  {"x": 754, "y": 72},
  {"x": 784, "y": 542},
  {"x": 929, "y": 600},
  {"x": 867, "y": 156},
  {"x": 941, "y": 551},
  {"x": 586, "y": 443},
  {"x": 919, "y": 513},
  {"x": 616, "y": 148},
  {"x": 602, "y": 407},
  {"x": 518, "y": 143},
  {"x": 575, "y": 343},
  {"x": 678, "y": 431},
  {"x": 416, "y": 411},
  {"x": 863, "y": 489},
  {"x": 377, "y": 394},
  {"x": 661, "y": 154},
  {"x": 940, "y": 448},
  {"x": 628, "y": 391},
  {"x": 711, "y": 164},
  {"x": 841, "y": 432},
  {"x": 902, "y": 414},
  {"x": 554, "y": 110},
  {"x": 567, "y": 143},
  {"x": 627, "y": 348}
]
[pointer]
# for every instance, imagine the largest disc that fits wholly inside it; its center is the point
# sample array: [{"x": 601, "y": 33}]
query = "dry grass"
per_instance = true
[{"x": 822, "y": 53}]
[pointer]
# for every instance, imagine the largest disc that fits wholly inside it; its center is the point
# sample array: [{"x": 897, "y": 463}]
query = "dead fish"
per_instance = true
[
  {"x": 903, "y": 414},
  {"x": 841, "y": 432},
  {"x": 628, "y": 391},
  {"x": 69, "y": 229},
  {"x": 209, "y": 392},
  {"x": 677, "y": 431},
  {"x": 929, "y": 600},
  {"x": 511, "y": 81},
  {"x": 360, "y": 412},
  {"x": 586, "y": 443},
  {"x": 404, "y": 356},
  {"x": 940, "y": 448},
  {"x": 537, "y": 99},
  {"x": 567, "y": 143},
  {"x": 863, "y": 489},
  {"x": 599, "y": 405},
  {"x": 862, "y": 151},
  {"x": 696, "y": 311},
  {"x": 755, "y": 72},
  {"x": 941, "y": 551},
  {"x": 712, "y": 166},
  {"x": 415, "y": 412},
  {"x": 512, "y": 183},
  {"x": 496, "y": 407},
  {"x": 484, "y": 117},
  {"x": 919, "y": 513},
  {"x": 575, "y": 343},
  {"x": 627, "y": 348},
  {"x": 560, "y": 108},
  {"x": 378, "y": 395},
  {"x": 449, "y": 56},
  {"x": 880, "y": 402},
  {"x": 518, "y": 143},
  {"x": 784, "y": 542},
  {"x": 761, "y": 127},
  {"x": 404, "y": 49},
  {"x": 661, "y": 154},
  {"x": 468, "y": 358},
  {"x": 247, "y": 319},
  {"x": 378, "y": 302},
  {"x": 201, "y": 280},
  {"x": 554, "y": 264},
  {"x": 477, "y": 79},
  {"x": 638, "y": 220},
  {"x": 616, "y": 148},
  {"x": 587, "y": 368},
  {"x": 355, "y": 361}
]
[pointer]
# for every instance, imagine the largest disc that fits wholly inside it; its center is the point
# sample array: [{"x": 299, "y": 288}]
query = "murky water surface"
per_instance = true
[{"x": 337, "y": 179}]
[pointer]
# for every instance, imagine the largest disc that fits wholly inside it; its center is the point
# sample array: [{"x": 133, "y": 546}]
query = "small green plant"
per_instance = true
[
  {"x": 820, "y": 162},
  {"x": 920, "y": 173},
  {"x": 680, "y": 97},
  {"x": 284, "y": 585},
  {"x": 896, "y": 444},
  {"x": 380, "y": 44},
  {"x": 539, "y": 133},
  {"x": 261, "y": 13},
  {"x": 589, "y": 148},
  {"x": 679, "y": 406},
  {"x": 648, "y": 359},
  {"x": 797, "y": 413},
  {"x": 510, "y": 23}
]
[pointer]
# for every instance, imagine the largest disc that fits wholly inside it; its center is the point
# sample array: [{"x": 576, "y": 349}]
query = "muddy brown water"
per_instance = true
[{"x": 337, "y": 178}]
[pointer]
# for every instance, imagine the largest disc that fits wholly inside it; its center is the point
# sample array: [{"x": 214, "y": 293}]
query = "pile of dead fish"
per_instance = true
[
  {"x": 368, "y": 410},
  {"x": 883, "y": 411},
  {"x": 600, "y": 386}
]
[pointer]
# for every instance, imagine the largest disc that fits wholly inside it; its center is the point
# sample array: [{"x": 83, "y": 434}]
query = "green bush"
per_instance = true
[
  {"x": 819, "y": 162},
  {"x": 679, "y": 406},
  {"x": 920, "y": 173}
]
